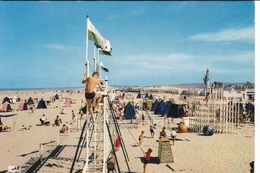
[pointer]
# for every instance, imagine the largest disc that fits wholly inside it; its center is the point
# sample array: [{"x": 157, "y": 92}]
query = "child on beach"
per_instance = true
[
  {"x": 64, "y": 129},
  {"x": 141, "y": 138},
  {"x": 147, "y": 156},
  {"x": 174, "y": 134},
  {"x": 163, "y": 133},
  {"x": 117, "y": 143},
  {"x": 151, "y": 130},
  {"x": 73, "y": 116}
]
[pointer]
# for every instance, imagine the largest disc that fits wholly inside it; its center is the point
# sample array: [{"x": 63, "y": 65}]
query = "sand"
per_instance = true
[{"x": 192, "y": 152}]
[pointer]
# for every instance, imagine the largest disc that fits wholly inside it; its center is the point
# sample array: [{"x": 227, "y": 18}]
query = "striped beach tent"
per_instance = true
[
  {"x": 22, "y": 106},
  {"x": 6, "y": 107},
  {"x": 68, "y": 103}
]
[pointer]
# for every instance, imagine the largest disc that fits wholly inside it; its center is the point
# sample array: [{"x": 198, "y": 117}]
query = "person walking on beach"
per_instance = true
[
  {"x": 90, "y": 95},
  {"x": 141, "y": 138},
  {"x": 147, "y": 157},
  {"x": 151, "y": 130}
]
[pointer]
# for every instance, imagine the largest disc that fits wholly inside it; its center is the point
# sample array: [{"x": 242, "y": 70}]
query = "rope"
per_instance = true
[{"x": 132, "y": 136}]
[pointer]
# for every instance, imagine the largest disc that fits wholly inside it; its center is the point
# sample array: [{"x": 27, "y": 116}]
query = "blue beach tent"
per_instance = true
[
  {"x": 155, "y": 105},
  {"x": 30, "y": 101},
  {"x": 139, "y": 96},
  {"x": 167, "y": 109},
  {"x": 160, "y": 109},
  {"x": 6, "y": 99},
  {"x": 129, "y": 112},
  {"x": 41, "y": 104}
]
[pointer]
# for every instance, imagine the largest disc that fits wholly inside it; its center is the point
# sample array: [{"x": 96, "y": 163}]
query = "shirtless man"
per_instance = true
[{"x": 90, "y": 95}]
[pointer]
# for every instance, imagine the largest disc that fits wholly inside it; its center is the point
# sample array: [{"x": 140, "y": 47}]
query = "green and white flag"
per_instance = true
[
  {"x": 99, "y": 40},
  {"x": 103, "y": 67}
]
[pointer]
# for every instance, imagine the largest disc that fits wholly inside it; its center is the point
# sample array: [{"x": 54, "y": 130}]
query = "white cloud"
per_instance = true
[
  {"x": 246, "y": 34},
  {"x": 181, "y": 64},
  {"x": 56, "y": 46}
]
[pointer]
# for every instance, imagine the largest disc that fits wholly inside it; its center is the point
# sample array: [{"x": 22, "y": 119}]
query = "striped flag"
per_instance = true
[{"x": 99, "y": 40}]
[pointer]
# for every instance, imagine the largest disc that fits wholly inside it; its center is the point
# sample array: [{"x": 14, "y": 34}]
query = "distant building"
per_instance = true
[{"x": 243, "y": 91}]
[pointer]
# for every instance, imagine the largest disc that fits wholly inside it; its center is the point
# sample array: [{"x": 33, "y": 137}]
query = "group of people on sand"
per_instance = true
[
  {"x": 162, "y": 134},
  {"x": 57, "y": 122}
]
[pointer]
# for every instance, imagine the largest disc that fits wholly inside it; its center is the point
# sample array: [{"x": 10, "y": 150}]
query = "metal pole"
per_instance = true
[{"x": 113, "y": 148}]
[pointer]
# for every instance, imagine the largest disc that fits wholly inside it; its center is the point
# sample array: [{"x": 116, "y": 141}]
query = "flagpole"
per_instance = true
[
  {"x": 95, "y": 61},
  {"x": 99, "y": 65},
  {"x": 87, "y": 62}
]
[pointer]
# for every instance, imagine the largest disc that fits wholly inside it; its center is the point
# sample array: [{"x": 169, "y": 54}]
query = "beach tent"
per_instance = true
[
  {"x": 41, "y": 104},
  {"x": 175, "y": 92},
  {"x": 129, "y": 111},
  {"x": 146, "y": 96},
  {"x": 68, "y": 103},
  {"x": 56, "y": 97},
  {"x": 6, "y": 107},
  {"x": 167, "y": 109},
  {"x": 30, "y": 101},
  {"x": 139, "y": 96},
  {"x": 176, "y": 111},
  {"x": 22, "y": 106},
  {"x": 150, "y": 97},
  {"x": 160, "y": 109},
  {"x": 155, "y": 105},
  {"x": 6, "y": 99},
  {"x": 148, "y": 104}
]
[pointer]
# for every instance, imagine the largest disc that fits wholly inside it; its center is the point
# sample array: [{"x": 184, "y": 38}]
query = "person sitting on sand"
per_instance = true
[
  {"x": 90, "y": 95},
  {"x": 62, "y": 111},
  {"x": 44, "y": 121},
  {"x": 147, "y": 157},
  {"x": 57, "y": 121},
  {"x": 64, "y": 129}
]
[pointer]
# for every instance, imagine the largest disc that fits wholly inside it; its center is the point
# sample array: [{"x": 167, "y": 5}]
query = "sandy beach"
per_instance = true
[{"x": 192, "y": 152}]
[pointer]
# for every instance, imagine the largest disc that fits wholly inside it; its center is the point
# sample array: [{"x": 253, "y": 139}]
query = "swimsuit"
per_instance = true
[{"x": 90, "y": 95}]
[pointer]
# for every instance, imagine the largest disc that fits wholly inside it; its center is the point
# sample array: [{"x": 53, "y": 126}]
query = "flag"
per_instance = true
[
  {"x": 103, "y": 67},
  {"x": 99, "y": 40},
  {"x": 104, "y": 52}
]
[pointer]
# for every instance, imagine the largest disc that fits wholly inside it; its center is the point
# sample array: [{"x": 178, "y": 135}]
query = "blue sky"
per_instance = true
[{"x": 42, "y": 44}]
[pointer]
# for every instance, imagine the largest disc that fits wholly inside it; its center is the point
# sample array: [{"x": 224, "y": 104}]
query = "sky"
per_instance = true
[{"x": 43, "y": 44}]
